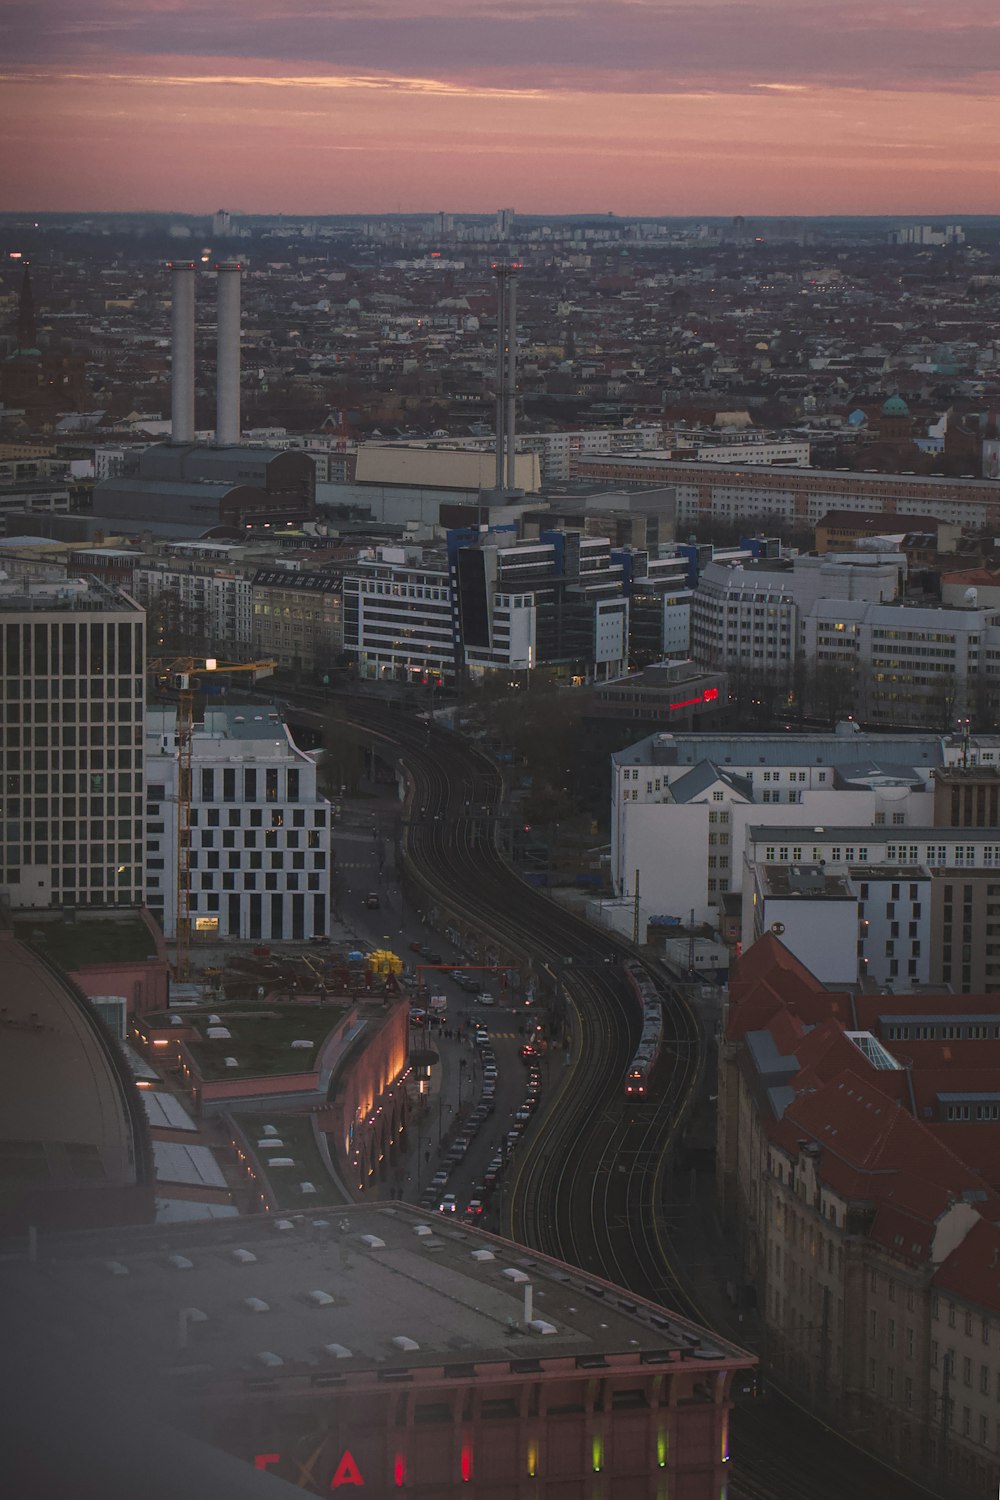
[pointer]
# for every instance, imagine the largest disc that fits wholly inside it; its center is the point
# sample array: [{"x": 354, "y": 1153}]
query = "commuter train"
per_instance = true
[{"x": 644, "y": 1059}]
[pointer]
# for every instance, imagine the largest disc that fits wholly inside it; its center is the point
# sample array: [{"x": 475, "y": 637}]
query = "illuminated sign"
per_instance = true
[
  {"x": 206, "y": 924},
  {"x": 346, "y": 1472},
  {"x": 708, "y": 696}
]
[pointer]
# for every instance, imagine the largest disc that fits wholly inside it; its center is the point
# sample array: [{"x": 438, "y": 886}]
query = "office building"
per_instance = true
[
  {"x": 260, "y": 835},
  {"x": 73, "y": 688}
]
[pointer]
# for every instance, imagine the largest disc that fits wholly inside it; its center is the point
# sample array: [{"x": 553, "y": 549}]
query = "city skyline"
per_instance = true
[{"x": 575, "y": 106}]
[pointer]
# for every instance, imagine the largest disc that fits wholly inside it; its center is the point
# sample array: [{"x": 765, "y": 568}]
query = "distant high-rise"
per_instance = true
[
  {"x": 505, "y": 223},
  {"x": 222, "y": 223},
  {"x": 72, "y": 659}
]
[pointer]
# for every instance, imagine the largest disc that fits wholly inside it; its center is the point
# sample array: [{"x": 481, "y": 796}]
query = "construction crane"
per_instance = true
[{"x": 184, "y": 674}]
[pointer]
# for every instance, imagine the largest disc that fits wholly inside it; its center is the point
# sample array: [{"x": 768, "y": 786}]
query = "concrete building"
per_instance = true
[
  {"x": 681, "y": 804},
  {"x": 335, "y": 1341},
  {"x": 842, "y": 530},
  {"x": 754, "y": 613},
  {"x": 800, "y": 496},
  {"x": 398, "y": 619},
  {"x": 260, "y": 855},
  {"x": 668, "y": 692},
  {"x": 956, "y": 933},
  {"x": 203, "y": 591},
  {"x": 558, "y": 601},
  {"x": 815, "y": 915},
  {"x": 489, "y": 603},
  {"x": 72, "y": 683},
  {"x": 434, "y": 466},
  {"x": 180, "y": 489},
  {"x": 298, "y": 618}
]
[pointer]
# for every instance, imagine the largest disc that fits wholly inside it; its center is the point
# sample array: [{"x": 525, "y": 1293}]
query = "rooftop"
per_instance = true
[
  {"x": 65, "y": 595},
  {"x": 831, "y": 749},
  {"x": 76, "y": 943},
  {"x": 371, "y": 1289}
]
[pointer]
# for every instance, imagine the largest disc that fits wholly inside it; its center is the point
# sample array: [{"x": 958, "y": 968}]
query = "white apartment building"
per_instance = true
[
  {"x": 260, "y": 833},
  {"x": 72, "y": 693},
  {"x": 211, "y": 589},
  {"x": 681, "y": 804}
]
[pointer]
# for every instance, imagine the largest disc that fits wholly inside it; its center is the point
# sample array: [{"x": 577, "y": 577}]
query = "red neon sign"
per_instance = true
[
  {"x": 466, "y": 1461},
  {"x": 708, "y": 696},
  {"x": 347, "y": 1472}
]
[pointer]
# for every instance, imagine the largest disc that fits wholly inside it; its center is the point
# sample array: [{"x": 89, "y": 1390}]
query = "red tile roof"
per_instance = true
[{"x": 972, "y": 1271}]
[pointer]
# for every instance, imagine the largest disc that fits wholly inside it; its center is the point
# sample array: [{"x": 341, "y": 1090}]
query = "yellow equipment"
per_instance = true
[{"x": 184, "y": 675}]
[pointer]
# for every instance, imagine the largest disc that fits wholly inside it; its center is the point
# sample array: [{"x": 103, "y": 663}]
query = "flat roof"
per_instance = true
[
  {"x": 454, "y": 1294},
  {"x": 866, "y": 833},
  {"x": 788, "y": 749}
]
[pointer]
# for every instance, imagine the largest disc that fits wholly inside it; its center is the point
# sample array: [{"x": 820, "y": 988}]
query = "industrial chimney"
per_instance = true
[
  {"x": 182, "y": 353},
  {"x": 227, "y": 409},
  {"x": 506, "y": 381}
]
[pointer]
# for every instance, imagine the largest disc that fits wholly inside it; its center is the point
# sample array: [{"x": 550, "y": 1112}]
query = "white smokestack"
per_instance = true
[
  {"x": 182, "y": 353},
  {"x": 529, "y": 1311},
  {"x": 227, "y": 409}
]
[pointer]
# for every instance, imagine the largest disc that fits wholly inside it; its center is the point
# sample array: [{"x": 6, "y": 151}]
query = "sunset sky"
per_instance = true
[{"x": 560, "y": 106}]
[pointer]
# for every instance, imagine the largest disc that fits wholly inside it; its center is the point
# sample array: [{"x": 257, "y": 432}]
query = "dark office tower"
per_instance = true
[{"x": 72, "y": 658}]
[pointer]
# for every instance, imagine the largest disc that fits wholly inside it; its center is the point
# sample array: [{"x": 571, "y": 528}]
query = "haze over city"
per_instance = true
[{"x": 568, "y": 106}]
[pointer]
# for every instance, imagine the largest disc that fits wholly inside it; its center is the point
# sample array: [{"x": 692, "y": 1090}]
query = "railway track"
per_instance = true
[{"x": 589, "y": 1186}]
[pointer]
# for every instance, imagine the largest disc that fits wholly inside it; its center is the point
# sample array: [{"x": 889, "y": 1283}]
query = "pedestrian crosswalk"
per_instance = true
[{"x": 504, "y": 1036}]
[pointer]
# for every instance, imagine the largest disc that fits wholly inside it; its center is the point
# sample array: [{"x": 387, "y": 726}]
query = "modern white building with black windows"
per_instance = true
[{"x": 260, "y": 833}]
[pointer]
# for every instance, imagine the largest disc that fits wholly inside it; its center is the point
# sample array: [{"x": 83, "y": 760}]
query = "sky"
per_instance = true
[{"x": 549, "y": 106}]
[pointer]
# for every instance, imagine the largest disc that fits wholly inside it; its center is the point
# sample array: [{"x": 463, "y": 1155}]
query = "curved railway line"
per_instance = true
[{"x": 589, "y": 1185}]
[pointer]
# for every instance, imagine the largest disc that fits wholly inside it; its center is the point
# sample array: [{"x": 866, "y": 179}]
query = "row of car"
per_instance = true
[{"x": 447, "y": 1203}]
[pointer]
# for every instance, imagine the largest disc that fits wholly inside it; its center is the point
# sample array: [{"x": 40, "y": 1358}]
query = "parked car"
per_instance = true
[
  {"x": 482, "y": 1038},
  {"x": 439, "y": 1179},
  {"x": 485, "y": 998},
  {"x": 372, "y": 901}
]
